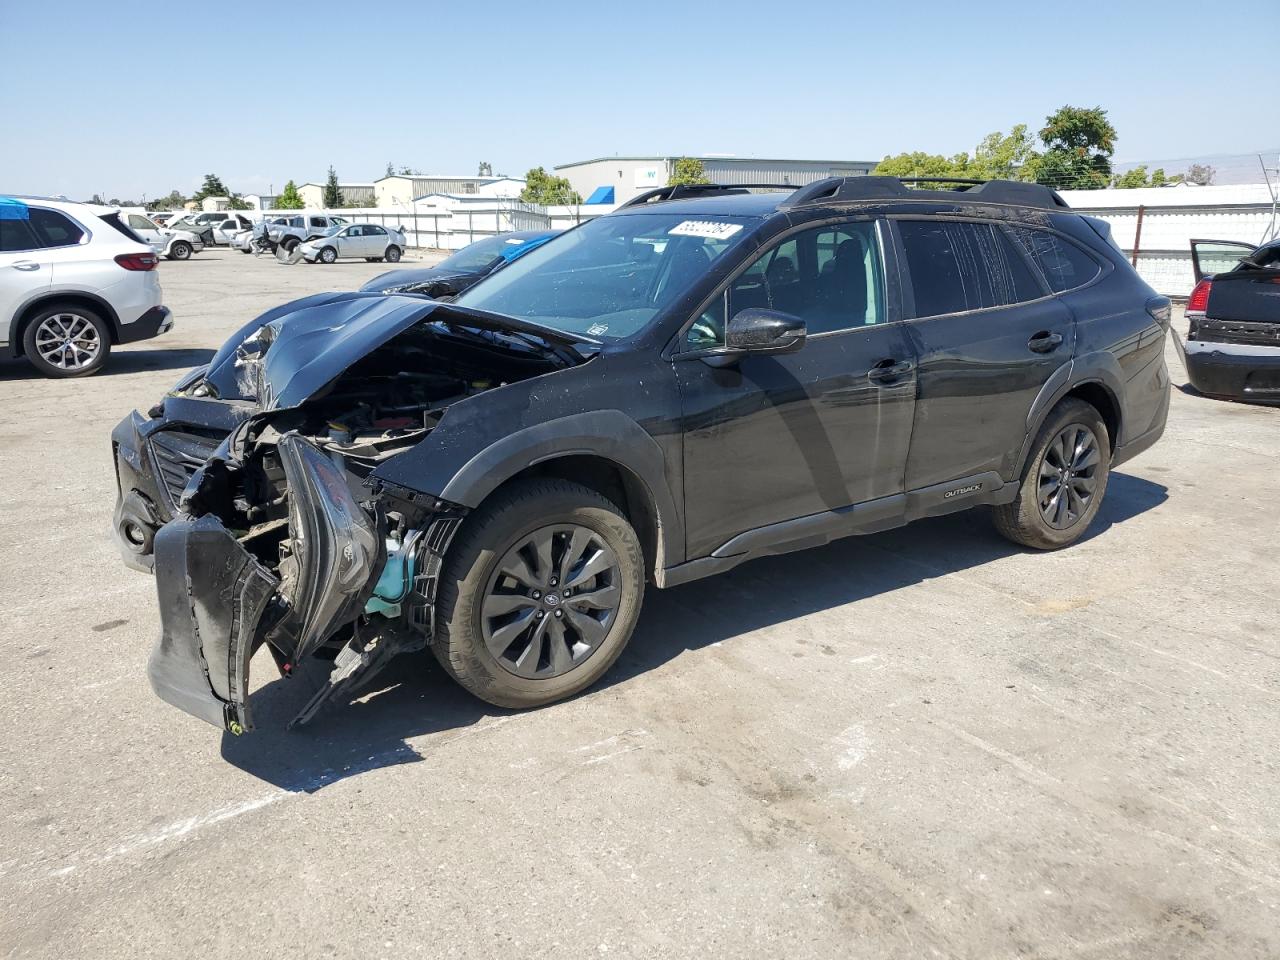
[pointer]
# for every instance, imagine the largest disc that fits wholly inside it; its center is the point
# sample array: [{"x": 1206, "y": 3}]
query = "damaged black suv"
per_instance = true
[{"x": 707, "y": 375}]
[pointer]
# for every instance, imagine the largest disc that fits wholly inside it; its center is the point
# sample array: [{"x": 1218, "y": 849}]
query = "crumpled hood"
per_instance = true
[
  {"x": 398, "y": 278},
  {"x": 287, "y": 354}
]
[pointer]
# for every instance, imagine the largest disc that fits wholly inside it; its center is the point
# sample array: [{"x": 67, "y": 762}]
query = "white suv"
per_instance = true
[{"x": 74, "y": 280}]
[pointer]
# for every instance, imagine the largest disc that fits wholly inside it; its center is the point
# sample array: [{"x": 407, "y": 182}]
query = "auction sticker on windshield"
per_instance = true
[{"x": 708, "y": 229}]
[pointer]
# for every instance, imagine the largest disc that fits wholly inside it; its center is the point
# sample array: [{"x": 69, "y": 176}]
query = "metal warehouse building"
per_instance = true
[{"x": 627, "y": 176}]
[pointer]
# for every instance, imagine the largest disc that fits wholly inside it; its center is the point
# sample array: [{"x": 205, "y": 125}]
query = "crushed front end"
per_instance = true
[
  {"x": 250, "y": 491},
  {"x": 288, "y": 549}
]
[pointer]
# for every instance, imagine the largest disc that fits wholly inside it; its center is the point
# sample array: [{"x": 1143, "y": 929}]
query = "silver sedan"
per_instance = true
[{"x": 355, "y": 240}]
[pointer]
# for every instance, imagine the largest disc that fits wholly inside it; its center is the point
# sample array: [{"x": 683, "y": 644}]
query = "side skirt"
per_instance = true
[{"x": 817, "y": 529}]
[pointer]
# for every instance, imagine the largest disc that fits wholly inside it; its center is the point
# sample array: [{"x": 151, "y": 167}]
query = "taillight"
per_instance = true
[
  {"x": 138, "y": 261},
  {"x": 1199, "y": 298}
]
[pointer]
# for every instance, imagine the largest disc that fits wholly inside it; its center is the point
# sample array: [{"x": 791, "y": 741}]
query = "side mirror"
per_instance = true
[{"x": 756, "y": 330}]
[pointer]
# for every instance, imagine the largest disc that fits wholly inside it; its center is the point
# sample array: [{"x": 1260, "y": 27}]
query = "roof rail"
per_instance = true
[
  {"x": 855, "y": 189},
  {"x": 682, "y": 190}
]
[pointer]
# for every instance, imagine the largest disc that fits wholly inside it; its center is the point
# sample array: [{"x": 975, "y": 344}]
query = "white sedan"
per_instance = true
[{"x": 369, "y": 241}]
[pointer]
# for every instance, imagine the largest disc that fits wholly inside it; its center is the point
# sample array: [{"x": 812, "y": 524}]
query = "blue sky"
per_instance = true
[{"x": 129, "y": 98}]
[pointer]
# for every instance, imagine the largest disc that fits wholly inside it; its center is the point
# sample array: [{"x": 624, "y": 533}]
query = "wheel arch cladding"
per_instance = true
[
  {"x": 613, "y": 481},
  {"x": 609, "y": 449},
  {"x": 26, "y": 314}
]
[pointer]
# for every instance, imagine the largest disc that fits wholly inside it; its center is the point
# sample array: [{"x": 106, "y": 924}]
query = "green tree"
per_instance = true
[
  {"x": 1002, "y": 156},
  {"x": 213, "y": 187},
  {"x": 548, "y": 190},
  {"x": 921, "y": 164},
  {"x": 1132, "y": 179},
  {"x": 332, "y": 194},
  {"x": 237, "y": 202},
  {"x": 290, "y": 198},
  {"x": 1079, "y": 142},
  {"x": 391, "y": 170},
  {"x": 173, "y": 201},
  {"x": 686, "y": 171}
]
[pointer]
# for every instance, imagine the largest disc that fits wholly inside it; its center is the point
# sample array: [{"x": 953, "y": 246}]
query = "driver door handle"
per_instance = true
[
  {"x": 889, "y": 370},
  {"x": 1044, "y": 342},
  {"x": 25, "y": 265}
]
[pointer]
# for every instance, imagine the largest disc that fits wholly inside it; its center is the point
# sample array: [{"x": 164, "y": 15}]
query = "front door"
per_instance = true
[
  {"x": 988, "y": 335},
  {"x": 774, "y": 438},
  {"x": 25, "y": 268}
]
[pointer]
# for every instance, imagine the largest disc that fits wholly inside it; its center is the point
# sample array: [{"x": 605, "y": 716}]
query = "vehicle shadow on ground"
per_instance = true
[
  {"x": 120, "y": 362},
  {"x": 415, "y": 698}
]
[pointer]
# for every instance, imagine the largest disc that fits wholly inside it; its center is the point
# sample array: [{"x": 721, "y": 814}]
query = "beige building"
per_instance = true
[
  {"x": 353, "y": 195},
  {"x": 402, "y": 190},
  {"x": 618, "y": 179}
]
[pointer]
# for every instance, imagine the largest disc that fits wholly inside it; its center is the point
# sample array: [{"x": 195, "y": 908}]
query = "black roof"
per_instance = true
[{"x": 731, "y": 199}]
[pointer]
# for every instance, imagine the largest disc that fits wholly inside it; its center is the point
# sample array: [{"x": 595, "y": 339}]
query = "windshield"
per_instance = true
[
  {"x": 610, "y": 276},
  {"x": 480, "y": 255}
]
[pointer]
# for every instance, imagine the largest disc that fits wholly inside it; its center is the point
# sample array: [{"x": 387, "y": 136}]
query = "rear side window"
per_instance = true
[
  {"x": 319, "y": 222},
  {"x": 1063, "y": 264},
  {"x": 53, "y": 229},
  {"x": 958, "y": 266},
  {"x": 16, "y": 235},
  {"x": 115, "y": 223}
]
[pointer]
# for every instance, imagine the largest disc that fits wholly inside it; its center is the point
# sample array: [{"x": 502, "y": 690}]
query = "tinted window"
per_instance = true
[
  {"x": 16, "y": 235},
  {"x": 828, "y": 276},
  {"x": 53, "y": 229},
  {"x": 374, "y": 231},
  {"x": 1063, "y": 264},
  {"x": 963, "y": 266},
  {"x": 611, "y": 276}
]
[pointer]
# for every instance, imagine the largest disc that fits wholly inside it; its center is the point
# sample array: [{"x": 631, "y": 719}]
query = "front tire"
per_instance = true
[
  {"x": 67, "y": 341},
  {"x": 393, "y": 254},
  {"x": 540, "y": 592},
  {"x": 1064, "y": 481},
  {"x": 181, "y": 250},
  {"x": 328, "y": 255}
]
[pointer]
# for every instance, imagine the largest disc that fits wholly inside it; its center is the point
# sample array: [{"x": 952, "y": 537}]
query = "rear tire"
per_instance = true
[
  {"x": 44, "y": 336},
  {"x": 1064, "y": 481},
  {"x": 393, "y": 254},
  {"x": 556, "y": 628},
  {"x": 289, "y": 244}
]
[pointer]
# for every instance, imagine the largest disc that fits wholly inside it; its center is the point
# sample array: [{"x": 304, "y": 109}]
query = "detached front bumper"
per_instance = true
[
  {"x": 1236, "y": 370},
  {"x": 219, "y": 603}
]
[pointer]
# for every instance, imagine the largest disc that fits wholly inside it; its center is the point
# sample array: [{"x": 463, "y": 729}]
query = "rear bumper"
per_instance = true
[
  {"x": 1240, "y": 371},
  {"x": 154, "y": 322}
]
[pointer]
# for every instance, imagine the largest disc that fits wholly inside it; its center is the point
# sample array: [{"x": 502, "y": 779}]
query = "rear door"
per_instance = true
[
  {"x": 988, "y": 335},
  {"x": 1209, "y": 257},
  {"x": 375, "y": 240}
]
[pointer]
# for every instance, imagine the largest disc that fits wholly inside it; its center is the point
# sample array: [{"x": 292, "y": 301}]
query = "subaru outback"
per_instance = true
[{"x": 706, "y": 375}]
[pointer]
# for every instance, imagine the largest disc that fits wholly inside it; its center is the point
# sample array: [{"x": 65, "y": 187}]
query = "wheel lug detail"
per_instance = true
[
  {"x": 559, "y": 614},
  {"x": 536, "y": 594},
  {"x": 554, "y": 581}
]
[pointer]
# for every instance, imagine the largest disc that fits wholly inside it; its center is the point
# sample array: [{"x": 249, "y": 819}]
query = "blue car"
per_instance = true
[{"x": 464, "y": 269}]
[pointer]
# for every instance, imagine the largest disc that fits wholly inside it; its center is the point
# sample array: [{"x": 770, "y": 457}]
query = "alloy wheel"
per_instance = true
[
  {"x": 551, "y": 601},
  {"x": 1068, "y": 476},
  {"x": 68, "y": 341}
]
